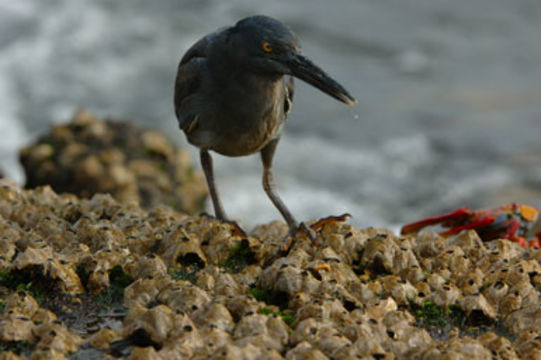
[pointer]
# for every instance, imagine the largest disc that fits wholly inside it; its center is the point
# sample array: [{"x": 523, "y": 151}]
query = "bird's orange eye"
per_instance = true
[{"x": 267, "y": 47}]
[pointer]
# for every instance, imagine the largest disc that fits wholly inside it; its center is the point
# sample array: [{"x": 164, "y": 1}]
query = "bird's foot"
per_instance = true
[
  {"x": 207, "y": 215},
  {"x": 237, "y": 229},
  {"x": 310, "y": 231},
  {"x": 294, "y": 233}
]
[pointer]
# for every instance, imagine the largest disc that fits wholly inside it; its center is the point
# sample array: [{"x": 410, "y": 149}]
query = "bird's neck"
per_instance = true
[
  {"x": 237, "y": 78},
  {"x": 258, "y": 91},
  {"x": 227, "y": 68}
]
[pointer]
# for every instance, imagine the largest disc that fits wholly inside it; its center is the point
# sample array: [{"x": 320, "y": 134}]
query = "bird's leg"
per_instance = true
[
  {"x": 206, "y": 164},
  {"x": 267, "y": 153}
]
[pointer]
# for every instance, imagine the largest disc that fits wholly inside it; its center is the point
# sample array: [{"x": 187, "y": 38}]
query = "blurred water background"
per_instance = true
[{"x": 449, "y": 94}]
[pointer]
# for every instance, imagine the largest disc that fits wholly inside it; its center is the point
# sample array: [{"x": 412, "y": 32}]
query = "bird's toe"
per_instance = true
[
  {"x": 236, "y": 230},
  {"x": 302, "y": 230}
]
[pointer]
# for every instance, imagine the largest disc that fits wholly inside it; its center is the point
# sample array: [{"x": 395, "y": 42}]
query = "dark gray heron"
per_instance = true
[{"x": 233, "y": 93}]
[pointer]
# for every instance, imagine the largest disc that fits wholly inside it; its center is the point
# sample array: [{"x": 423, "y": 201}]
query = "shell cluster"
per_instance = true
[
  {"x": 188, "y": 288},
  {"x": 91, "y": 155}
]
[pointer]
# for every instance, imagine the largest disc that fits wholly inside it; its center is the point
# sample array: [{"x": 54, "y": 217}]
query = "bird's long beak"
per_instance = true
[{"x": 306, "y": 70}]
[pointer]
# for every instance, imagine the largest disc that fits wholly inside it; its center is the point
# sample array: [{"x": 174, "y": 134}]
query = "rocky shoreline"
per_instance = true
[{"x": 86, "y": 278}]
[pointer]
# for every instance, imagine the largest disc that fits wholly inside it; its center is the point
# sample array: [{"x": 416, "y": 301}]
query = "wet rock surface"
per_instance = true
[
  {"x": 89, "y": 278},
  {"x": 89, "y": 155}
]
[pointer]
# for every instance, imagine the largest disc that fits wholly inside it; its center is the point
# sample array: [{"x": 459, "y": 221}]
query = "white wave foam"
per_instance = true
[
  {"x": 244, "y": 199},
  {"x": 317, "y": 178},
  {"x": 14, "y": 135}
]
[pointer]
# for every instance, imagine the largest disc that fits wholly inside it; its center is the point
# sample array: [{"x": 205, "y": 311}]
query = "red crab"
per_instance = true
[{"x": 509, "y": 221}]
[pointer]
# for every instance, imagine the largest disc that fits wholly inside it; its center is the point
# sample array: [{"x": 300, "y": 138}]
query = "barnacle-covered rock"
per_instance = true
[
  {"x": 495, "y": 292},
  {"x": 271, "y": 234},
  {"x": 331, "y": 271},
  {"x": 16, "y": 320},
  {"x": 16, "y": 328},
  {"x": 21, "y": 303},
  {"x": 307, "y": 330},
  {"x": 452, "y": 261},
  {"x": 213, "y": 339},
  {"x": 510, "y": 303},
  {"x": 528, "y": 344},
  {"x": 218, "y": 239},
  {"x": 57, "y": 337},
  {"x": 479, "y": 304},
  {"x": 49, "y": 267},
  {"x": 367, "y": 293},
  {"x": 163, "y": 326},
  {"x": 161, "y": 284},
  {"x": 179, "y": 247},
  {"x": 380, "y": 309},
  {"x": 471, "y": 244},
  {"x": 262, "y": 341},
  {"x": 91, "y": 155},
  {"x": 261, "y": 331},
  {"x": 103, "y": 338},
  {"x": 43, "y": 316},
  {"x": 305, "y": 351},
  {"x": 471, "y": 282},
  {"x": 320, "y": 309},
  {"x": 9, "y": 355},
  {"x": 428, "y": 245},
  {"x": 445, "y": 294},
  {"x": 143, "y": 291},
  {"x": 323, "y": 335},
  {"x": 369, "y": 348},
  {"x": 149, "y": 266},
  {"x": 287, "y": 275},
  {"x": 8, "y": 237},
  {"x": 331, "y": 342},
  {"x": 379, "y": 252},
  {"x": 241, "y": 305},
  {"x": 347, "y": 241},
  {"x": 524, "y": 320},
  {"x": 46, "y": 354},
  {"x": 248, "y": 276},
  {"x": 234, "y": 352},
  {"x": 499, "y": 346},
  {"x": 467, "y": 348},
  {"x": 184, "y": 296},
  {"x": 406, "y": 340},
  {"x": 213, "y": 316},
  {"x": 400, "y": 290},
  {"x": 144, "y": 353}
]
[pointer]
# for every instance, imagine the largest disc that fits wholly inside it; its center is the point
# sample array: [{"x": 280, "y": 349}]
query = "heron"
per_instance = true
[{"x": 233, "y": 93}]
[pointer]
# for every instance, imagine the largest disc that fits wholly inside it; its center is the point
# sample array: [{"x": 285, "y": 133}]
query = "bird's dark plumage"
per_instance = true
[{"x": 234, "y": 90}]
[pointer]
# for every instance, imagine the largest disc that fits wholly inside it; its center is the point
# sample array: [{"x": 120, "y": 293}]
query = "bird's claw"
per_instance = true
[
  {"x": 294, "y": 233},
  {"x": 237, "y": 229},
  {"x": 308, "y": 232},
  {"x": 206, "y": 215}
]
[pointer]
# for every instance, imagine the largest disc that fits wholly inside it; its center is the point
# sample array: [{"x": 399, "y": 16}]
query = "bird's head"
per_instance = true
[{"x": 265, "y": 45}]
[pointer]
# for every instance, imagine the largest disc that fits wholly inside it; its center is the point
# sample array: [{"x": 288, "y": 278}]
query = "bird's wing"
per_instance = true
[
  {"x": 288, "y": 100},
  {"x": 186, "y": 85},
  {"x": 189, "y": 74}
]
